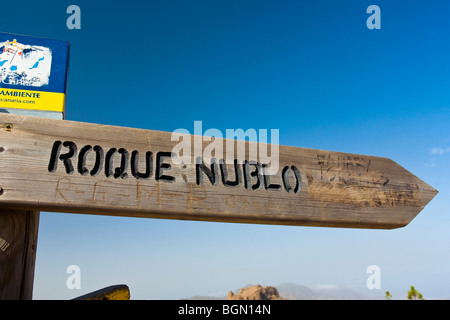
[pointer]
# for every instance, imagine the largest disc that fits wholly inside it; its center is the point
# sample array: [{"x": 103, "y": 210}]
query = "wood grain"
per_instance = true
[
  {"x": 335, "y": 189},
  {"x": 18, "y": 242}
]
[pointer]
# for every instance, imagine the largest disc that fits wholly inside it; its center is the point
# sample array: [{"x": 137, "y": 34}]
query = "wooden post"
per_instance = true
[{"x": 18, "y": 243}]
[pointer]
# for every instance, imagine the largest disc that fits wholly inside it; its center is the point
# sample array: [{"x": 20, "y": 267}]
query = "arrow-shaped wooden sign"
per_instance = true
[{"x": 74, "y": 167}]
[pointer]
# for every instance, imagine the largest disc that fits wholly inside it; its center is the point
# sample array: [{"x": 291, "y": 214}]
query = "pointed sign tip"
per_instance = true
[{"x": 428, "y": 193}]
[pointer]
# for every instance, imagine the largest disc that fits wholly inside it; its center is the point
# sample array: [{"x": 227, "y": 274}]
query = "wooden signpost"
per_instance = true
[
  {"x": 66, "y": 166},
  {"x": 74, "y": 167}
]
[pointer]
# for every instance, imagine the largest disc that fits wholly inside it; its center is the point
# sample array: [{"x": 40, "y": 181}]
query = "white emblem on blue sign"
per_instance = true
[{"x": 24, "y": 65}]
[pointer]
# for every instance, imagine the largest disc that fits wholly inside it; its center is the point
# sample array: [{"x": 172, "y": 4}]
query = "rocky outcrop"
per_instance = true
[{"x": 255, "y": 292}]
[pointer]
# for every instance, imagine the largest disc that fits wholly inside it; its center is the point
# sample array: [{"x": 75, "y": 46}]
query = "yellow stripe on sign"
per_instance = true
[
  {"x": 117, "y": 292},
  {"x": 35, "y": 100}
]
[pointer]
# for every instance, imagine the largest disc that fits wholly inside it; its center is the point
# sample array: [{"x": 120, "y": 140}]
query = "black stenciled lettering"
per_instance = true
[
  {"x": 224, "y": 172},
  {"x": 248, "y": 175},
  {"x": 298, "y": 186},
  {"x": 121, "y": 172},
  {"x": 82, "y": 160},
  {"x": 285, "y": 178},
  {"x": 247, "y": 178},
  {"x": 99, "y": 155},
  {"x": 53, "y": 163},
  {"x": 267, "y": 184},
  {"x": 160, "y": 165},
  {"x": 66, "y": 157},
  {"x": 253, "y": 177},
  {"x": 148, "y": 165},
  {"x": 109, "y": 162},
  {"x": 212, "y": 173}
]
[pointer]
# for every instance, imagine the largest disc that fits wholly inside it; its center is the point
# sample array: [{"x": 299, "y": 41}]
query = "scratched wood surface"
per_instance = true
[
  {"x": 74, "y": 167},
  {"x": 18, "y": 242}
]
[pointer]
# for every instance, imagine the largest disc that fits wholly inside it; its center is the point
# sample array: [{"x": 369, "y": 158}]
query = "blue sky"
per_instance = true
[{"x": 311, "y": 69}]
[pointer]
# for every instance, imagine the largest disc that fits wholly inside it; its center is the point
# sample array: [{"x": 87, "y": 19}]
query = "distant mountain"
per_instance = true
[{"x": 291, "y": 291}]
